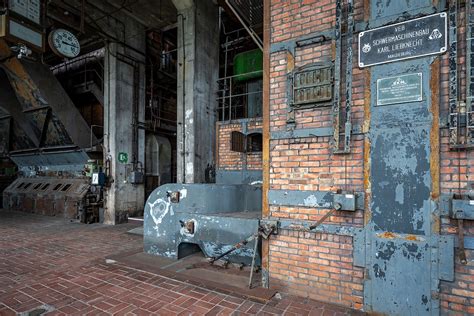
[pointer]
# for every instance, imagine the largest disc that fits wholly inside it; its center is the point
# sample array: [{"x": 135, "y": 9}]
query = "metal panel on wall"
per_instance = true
[
  {"x": 402, "y": 247},
  {"x": 399, "y": 232}
]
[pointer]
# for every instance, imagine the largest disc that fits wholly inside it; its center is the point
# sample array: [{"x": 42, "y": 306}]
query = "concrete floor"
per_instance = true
[{"x": 59, "y": 267}]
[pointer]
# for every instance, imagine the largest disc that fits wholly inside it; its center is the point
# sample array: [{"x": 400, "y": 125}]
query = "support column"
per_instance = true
[
  {"x": 198, "y": 71},
  {"x": 124, "y": 96}
]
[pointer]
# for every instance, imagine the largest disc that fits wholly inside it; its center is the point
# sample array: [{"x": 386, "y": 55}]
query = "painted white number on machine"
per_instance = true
[
  {"x": 95, "y": 178},
  {"x": 64, "y": 43}
]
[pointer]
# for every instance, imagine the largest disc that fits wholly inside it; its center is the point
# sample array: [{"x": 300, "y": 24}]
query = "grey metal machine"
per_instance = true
[{"x": 181, "y": 219}]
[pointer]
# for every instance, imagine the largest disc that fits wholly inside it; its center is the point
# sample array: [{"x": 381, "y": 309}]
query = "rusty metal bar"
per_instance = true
[
  {"x": 230, "y": 101},
  {"x": 348, "y": 78},
  {"x": 336, "y": 105},
  {"x": 252, "y": 267},
  {"x": 469, "y": 55},
  {"x": 453, "y": 78},
  {"x": 461, "y": 250},
  {"x": 349, "y": 59}
]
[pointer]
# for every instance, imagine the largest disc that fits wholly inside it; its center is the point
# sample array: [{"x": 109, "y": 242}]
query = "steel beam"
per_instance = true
[
  {"x": 38, "y": 86},
  {"x": 60, "y": 103},
  {"x": 10, "y": 103}
]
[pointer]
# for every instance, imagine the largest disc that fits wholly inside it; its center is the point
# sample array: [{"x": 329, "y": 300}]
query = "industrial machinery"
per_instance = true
[
  {"x": 181, "y": 219},
  {"x": 71, "y": 197}
]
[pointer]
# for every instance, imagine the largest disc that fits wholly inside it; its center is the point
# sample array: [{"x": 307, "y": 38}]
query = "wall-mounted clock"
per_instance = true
[{"x": 64, "y": 43}]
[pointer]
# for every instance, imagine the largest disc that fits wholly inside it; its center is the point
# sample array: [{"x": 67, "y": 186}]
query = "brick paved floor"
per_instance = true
[{"x": 60, "y": 266}]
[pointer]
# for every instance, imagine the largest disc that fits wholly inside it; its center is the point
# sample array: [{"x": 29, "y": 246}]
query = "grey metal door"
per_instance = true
[{"x": 399, "y": 249}]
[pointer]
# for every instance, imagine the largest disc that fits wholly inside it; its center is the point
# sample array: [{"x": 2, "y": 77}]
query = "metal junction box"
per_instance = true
[
  {"x": 462, "y": 209},
  {"x": 346, "y": 201},
  {"x": 136, "y": 177}
]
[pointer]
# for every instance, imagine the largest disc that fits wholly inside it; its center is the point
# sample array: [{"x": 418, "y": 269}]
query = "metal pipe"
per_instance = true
[
  {"x": 225, "y": 72},
  {"x": 77, "y": 63},
  {"x": 230, "y": 101},
  {"x": 241, "y": 94},
  {"x": 253, "y": 262},
  {"x": 239, "y": 75},
  {"x": 235, "y": 247}
]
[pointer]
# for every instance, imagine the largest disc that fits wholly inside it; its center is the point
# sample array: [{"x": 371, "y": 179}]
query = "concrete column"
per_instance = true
[
  {"x": 124, "y": 94},
  {"x": 198, "y": 71}
]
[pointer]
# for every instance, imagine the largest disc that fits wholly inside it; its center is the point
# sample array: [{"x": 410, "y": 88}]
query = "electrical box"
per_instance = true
[
  {"x": 136, "y": 177},
  {"x": 346, "y": 201},
  {"x": 462, "y": 209}
]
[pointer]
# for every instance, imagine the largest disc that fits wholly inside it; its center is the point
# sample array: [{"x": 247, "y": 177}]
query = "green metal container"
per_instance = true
[{"x": 248, "y": 65}]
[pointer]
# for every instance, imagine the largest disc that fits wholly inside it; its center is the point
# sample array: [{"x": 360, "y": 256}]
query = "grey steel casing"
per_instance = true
[{"x": 223, "y": 215}]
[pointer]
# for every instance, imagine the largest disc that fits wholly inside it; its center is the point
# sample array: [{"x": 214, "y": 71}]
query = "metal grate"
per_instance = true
[
  {"x": 250, "y": 10},
  {"x": 250, "y": 15}
]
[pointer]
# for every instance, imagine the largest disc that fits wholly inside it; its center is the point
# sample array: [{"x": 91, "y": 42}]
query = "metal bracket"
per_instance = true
[
  {"x": 462, "y": 209},
  {"x": 174, "y": 196},
  {"x": 269, "y": 227}
]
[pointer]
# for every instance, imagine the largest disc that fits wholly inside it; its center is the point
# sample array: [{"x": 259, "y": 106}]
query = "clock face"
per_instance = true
[{"x": 64, "y": 43}]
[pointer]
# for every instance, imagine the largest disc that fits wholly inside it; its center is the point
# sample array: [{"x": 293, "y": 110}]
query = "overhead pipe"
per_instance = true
[{"x": 79, "y": 62}]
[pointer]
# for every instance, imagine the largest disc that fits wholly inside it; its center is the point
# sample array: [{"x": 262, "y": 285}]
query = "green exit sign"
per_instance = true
[{"x": 123, "y": 157}]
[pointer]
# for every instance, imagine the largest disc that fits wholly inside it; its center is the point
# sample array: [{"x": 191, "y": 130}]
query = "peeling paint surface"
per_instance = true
[
  {"x": 400, "y": 162},
  {"x": 399, "y": 262},
  {"x": 399, "y": 255},
  {"x": 223, "y": 215}
]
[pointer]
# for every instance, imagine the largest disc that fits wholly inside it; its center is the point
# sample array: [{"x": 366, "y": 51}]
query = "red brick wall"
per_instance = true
[
  {"x": 320, "y": 265},
  {"x": 292, "y": 19},
  {"x": 317, "y": 265},
  {"x": 232, "y": 160},
  {"x": 313, "y": 265},
  {"x": 456, "y": 170}
]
